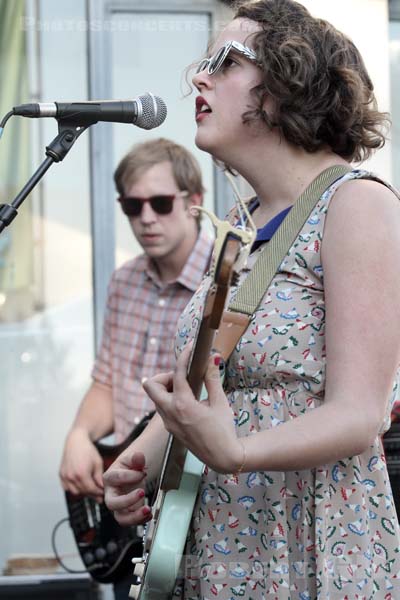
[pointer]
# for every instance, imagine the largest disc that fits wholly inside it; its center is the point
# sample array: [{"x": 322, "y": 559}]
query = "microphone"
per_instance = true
[{"x": 146, "y": 111}]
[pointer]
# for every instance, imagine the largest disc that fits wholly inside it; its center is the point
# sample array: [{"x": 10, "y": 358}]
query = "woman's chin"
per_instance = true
[{"x": 204, "y": 142}]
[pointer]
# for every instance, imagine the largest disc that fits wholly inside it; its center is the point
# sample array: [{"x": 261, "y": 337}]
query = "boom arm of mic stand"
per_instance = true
[{"x": 56, "y": 151}]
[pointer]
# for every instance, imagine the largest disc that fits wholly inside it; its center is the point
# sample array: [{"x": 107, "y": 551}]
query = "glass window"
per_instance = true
[
  {"x": 46, "y": 299},
  {"x": 150, "y": 53},
  {"x": 46, "y": 332}
]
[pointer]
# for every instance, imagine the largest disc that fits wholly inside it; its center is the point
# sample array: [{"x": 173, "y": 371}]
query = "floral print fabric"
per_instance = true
[{"x": 328, "y": 533}]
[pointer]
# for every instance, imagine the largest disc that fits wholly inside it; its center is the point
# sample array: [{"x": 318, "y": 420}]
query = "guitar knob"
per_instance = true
[
  {"x": 134, "y": 592},
  {"x": 111, "y": 547},
  {"x": 100, "y": 553},
  {"x": 140, "y": 531},
  {"x": 88, "y": 558},
  {"x": 139, "y": 569}
]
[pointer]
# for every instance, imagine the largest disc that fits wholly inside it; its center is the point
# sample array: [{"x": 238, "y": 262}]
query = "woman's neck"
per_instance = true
[{"x": 280, "y": 172}]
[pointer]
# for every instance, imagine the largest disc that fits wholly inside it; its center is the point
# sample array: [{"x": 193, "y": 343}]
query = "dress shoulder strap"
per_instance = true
[{"x": 364, "y": 174}]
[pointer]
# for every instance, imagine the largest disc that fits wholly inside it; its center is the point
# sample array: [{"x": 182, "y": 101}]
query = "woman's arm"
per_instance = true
[{"x": 361, "y": 253}]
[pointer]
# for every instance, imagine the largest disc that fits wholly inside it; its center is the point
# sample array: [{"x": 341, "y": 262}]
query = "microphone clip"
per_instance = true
[{"x": 68, "y": 133}]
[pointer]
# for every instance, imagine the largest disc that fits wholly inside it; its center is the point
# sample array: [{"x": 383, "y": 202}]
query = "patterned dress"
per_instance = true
[{"x": 327, "y": 533}]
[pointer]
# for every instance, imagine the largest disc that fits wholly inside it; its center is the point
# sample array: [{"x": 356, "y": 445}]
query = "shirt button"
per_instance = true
[
  {"x": 153, "y": 341},
  {"x": 161, "y": 302}
]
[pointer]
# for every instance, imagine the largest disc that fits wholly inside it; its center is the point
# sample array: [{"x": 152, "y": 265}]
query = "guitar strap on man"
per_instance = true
[{"x": 236, "y": 318}]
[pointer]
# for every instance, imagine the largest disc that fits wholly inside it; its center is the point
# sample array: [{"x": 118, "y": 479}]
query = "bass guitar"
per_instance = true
[
  {"x": 165, "y": 535},
  {"x": 105, "y": 547}
]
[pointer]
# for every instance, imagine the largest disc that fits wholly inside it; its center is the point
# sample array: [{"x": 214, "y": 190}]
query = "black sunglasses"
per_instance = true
[{"x": 162, "y": 204}]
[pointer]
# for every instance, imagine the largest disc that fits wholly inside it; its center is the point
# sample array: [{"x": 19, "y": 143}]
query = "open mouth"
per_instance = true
[{"x": 202, "y": 107}]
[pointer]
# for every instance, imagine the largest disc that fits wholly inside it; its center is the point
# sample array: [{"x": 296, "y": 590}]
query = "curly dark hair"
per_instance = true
[{"x": 317, "y": 79}]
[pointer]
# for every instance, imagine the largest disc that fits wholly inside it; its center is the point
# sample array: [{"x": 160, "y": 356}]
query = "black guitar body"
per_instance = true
[{"x": 105, "y": 547}]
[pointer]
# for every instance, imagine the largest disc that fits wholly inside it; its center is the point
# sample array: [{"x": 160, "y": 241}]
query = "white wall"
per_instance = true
[
  {"x": 395, "y": 98},
  {"x": 366, "y": 22}
]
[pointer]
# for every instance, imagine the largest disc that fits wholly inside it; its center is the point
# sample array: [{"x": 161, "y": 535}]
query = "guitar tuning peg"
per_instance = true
[{"x": 134, "y": 591}]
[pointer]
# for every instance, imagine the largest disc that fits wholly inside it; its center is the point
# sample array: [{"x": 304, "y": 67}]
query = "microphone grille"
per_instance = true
[{"x": 152, "y": 113}]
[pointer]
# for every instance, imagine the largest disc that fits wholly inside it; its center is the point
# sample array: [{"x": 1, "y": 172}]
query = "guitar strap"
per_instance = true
[{"x": 236, "y": 318}]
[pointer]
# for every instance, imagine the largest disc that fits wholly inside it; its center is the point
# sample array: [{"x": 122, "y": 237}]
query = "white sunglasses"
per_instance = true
[{"x": 215, "y": 62}]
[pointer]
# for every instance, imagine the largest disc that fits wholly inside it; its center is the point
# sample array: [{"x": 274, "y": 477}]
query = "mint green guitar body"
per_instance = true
[{"x": 168, "y": 544}]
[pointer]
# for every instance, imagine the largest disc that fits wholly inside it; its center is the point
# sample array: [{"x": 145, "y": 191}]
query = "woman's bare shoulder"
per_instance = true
[{"x": 363, "y": 205}]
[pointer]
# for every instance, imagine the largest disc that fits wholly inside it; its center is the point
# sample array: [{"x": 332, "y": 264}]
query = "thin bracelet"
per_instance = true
[{"x": 240, "y": 469}]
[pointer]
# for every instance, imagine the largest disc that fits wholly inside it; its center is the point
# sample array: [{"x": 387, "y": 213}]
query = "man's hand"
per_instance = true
[
  {"x": 81, "y": 470},
  {"x": 124, "y": 484}
]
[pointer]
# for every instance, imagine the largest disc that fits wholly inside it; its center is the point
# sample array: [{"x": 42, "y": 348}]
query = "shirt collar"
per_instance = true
[
  {"x": 195, "y": 267},
  {"x": 265, "y": 233},
  {"x": 198, "y": 262}
]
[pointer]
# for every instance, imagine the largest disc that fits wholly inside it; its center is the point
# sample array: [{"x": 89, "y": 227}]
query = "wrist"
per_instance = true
[
  {"x": 241, "y": 460},
  {"x": 79, "y": 432}
]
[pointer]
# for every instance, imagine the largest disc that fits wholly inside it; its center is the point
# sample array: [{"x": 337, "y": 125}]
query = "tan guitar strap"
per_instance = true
[{"x": 237, "y": 316}]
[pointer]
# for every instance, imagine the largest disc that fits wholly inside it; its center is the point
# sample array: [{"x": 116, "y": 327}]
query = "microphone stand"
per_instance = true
[{"x": 56, "y": 151}]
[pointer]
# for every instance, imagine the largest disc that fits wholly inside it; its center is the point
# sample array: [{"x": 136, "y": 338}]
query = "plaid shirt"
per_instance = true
[{"x": 139, "y": 330}]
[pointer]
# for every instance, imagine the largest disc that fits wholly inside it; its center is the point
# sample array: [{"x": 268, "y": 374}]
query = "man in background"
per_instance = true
[{"x": 157, "y": 182}]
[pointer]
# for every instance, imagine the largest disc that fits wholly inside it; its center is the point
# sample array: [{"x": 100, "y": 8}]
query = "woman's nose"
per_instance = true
[{"x": 201, "y": 79}]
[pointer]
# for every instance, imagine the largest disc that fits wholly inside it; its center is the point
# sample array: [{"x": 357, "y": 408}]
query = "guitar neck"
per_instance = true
[
  {"x": 175, "y": 455},
  {"x": 176, "y": 451},
  {"x": 212, "y": 314}
]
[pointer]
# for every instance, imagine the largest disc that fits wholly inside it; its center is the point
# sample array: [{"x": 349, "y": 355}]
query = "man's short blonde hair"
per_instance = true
[{"x": 142, "y": 156}]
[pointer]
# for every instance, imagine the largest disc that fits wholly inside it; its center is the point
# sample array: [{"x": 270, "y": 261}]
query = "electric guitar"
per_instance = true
[
  {"x": 105, "y": 547},
  {"x": 166, "y": 533}
]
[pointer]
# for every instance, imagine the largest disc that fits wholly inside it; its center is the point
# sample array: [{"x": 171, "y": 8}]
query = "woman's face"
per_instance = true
[{"x": 225, "y": 95}]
